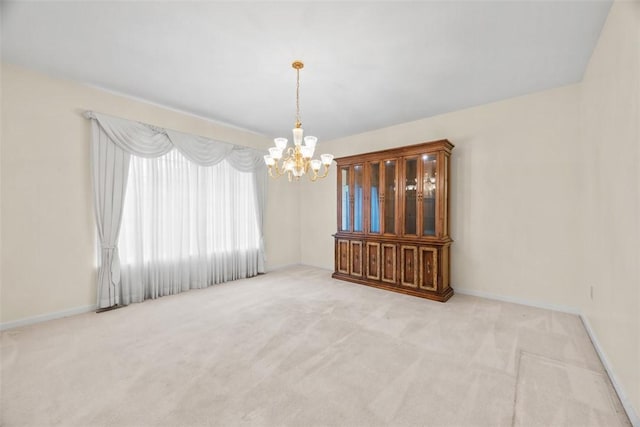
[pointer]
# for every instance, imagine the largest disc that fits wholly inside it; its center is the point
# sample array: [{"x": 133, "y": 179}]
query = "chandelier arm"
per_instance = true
[
  {"x": 325, "y": 173},
  {"x": 316, "y": 175},
  {"x": 279, "y": 170}
]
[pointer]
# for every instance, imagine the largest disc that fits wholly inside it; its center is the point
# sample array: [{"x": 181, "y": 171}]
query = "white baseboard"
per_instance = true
[
  {"x": 633, "y": 417},
  {"x": 298, "y": 264},
  {"x": 624, "y": 399},
  {"x": 554, "y": 307},
  {"x": 278, "y": 267},
  {"x": 44, "y": 317},
  {"x": 321, "y": 267}
]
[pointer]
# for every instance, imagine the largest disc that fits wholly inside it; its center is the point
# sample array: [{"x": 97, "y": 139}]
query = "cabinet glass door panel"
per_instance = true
[
  {"x": 358, "y": 198},
  {"x": 410, "y": 196},
  {"x": 429, "y": 195},
  {"x": 345, "y": 218},
  {"x": 374, "y": 197},
  {"x": 390, "y": 196}
]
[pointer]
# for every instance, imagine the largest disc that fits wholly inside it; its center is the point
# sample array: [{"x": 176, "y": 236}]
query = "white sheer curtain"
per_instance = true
[
  {"x": 185, "y": 226},
  {"x": 115, "y": 141}
]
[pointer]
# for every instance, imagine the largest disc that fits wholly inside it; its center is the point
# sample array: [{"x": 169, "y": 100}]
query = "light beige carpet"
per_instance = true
[{"x": 295, "y": 347}]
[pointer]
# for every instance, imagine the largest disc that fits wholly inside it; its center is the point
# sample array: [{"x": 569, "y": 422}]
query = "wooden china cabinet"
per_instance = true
[{"x": 393, "y": 227}]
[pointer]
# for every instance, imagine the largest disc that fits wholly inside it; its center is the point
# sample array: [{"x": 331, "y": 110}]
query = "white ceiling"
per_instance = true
[{"x": 368, "y": 64}]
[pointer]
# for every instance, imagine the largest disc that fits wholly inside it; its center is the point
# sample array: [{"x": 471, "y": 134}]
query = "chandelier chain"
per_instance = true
[{"x": 298, "y": 123}]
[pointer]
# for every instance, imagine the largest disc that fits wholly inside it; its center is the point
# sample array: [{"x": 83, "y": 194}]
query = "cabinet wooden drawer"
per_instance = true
[
  {"x": 409, "y": 266},
  {"x": 428, "y": 268},
  {"x": 373, "y": 260},
  {"x": 388, "y": 263},
  {"x": 342, "y": 256},
  {"x": 356, "y": 258}
]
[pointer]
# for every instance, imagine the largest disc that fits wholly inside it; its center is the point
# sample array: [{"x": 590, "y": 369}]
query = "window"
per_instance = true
[{"x": 186, "y": 226}]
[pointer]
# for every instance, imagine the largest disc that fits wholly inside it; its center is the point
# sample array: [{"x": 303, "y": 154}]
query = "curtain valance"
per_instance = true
[{"x": 143, "y": 140}]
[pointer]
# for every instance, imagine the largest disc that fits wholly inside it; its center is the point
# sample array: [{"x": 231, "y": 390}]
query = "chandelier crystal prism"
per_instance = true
[{"x": 297, "y": 160}]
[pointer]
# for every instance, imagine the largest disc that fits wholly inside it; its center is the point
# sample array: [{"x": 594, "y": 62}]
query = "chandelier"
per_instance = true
[{"x": 297, "y": 160}]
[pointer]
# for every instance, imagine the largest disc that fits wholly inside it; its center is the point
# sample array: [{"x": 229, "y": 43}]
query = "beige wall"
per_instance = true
[
  {"x": 282, "y": 234},
  {"x": 514, "y": 192},
  {"x": 610, "y": 148},
  {"x": 1, "y": 126},
  {"x": 48, "y": 246}
]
